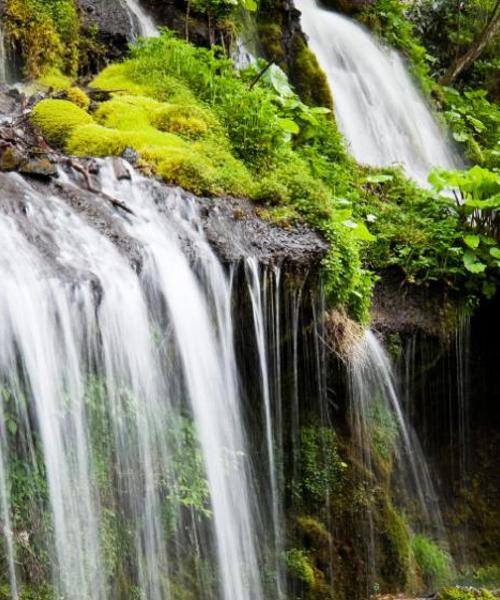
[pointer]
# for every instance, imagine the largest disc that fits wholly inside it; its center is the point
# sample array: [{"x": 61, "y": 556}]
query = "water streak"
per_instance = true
[{"x": 379, "y": 109}]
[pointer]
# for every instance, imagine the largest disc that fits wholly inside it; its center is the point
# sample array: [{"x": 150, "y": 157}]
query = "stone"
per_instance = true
[
  {"x": 39, "y": 167},
  {"x": 10, "y": 158}
]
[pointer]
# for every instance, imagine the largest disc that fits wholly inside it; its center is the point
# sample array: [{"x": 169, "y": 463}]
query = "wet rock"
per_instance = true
[
  {"x": 130, "y": 155},
  {"x": 116, "y": 28},
  {"x": 39, "y": 167}
]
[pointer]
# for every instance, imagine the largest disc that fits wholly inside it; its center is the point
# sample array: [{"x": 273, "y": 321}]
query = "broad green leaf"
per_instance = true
[
  {"x": 289, "y": 126},
  {"x": 460, "y": 136},
  {"x": 472, "y": 241},
  {"x": 495, "y": 252},
  {"x": 249, "y": 5},
  {"x": 472, "y": 264}
]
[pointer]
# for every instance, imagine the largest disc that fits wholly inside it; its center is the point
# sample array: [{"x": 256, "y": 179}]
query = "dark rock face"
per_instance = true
[{"x": 116, "y": 27}]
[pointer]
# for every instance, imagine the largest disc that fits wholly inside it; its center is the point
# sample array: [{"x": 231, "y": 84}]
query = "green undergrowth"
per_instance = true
[
  {"x": 435, "y": 565},
  {"x": 464, "y": 593},
  {"x": 47, "y": 33},
  {"x": 198, "y": 123}
]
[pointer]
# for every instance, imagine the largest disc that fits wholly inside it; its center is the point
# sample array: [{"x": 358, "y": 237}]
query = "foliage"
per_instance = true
[
  {"x": 300, "y": 566},
  {"x": 475, "y": 123},
  {"x": 464, "y": 593},
  {"x": 322, "y": 471},
  {"x": 47, "y": 33},
  {"x": 448, "y": 29},
  {"x": 434, "y": 564}
]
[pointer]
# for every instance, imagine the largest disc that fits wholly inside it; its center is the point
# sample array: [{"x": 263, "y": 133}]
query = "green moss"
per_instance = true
[
  {"x": 78, "y": 97},
  {"x": 52, "y": 78},
  {"x": 397, "y": 569},
  {"x": 309, "y": 79},
  {"x": 270, "y": 37},
  {"x": 300, "y": 566},
  {"x": 434, "y": 564},
  {"x": 58, "y": 119}
]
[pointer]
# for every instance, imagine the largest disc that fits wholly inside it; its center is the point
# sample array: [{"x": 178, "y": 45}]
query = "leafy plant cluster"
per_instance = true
[
  {"x": 47, "y": 32},
  {"x": 447, "y": 235}
]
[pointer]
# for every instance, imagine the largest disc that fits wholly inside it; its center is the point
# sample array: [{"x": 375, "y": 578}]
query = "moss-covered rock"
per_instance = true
[
  {"x": 309, "y": 79},
  {"x": 58, "y": 119}
]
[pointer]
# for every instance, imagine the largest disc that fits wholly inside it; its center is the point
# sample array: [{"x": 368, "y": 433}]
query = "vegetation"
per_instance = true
[{"x": 434, "y": 563}]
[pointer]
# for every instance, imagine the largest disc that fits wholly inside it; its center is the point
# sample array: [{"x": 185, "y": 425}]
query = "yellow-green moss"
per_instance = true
[
  {"x": 79, "y": 97},
  {"x": 270, "y": 37},
  {"x": 52, "y": 78},
  {"x": 58, "y": 118}
]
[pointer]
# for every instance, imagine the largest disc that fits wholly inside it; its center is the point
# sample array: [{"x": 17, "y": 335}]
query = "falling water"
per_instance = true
[
  {"x": 379, "y": 109},
  {"x": 3, "y": 56},
  {"x": 99, "y": 363},
  {"x": 146, "y": 25},
  {"x": 381, "y": 430}
]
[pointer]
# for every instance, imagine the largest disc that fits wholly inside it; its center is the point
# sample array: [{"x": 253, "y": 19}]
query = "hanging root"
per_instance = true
[{"x": 343, "y": 335}]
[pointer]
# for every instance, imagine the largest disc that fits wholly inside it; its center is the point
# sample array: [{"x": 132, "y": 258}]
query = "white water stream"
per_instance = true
[
  {"x": 76, "y": 317},
  {"x": 378, "y": 106},
  {"x": 147, "y": 27}
]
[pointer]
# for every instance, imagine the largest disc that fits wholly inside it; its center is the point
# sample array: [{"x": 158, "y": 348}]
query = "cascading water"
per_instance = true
[
  {"x": 3, "y": 56},
  {"x": 379, "y": 109},
  {"x": 140, "y": 19},
  {"x": 103, "y": 370},
  {"x": 380, "y": 431}
]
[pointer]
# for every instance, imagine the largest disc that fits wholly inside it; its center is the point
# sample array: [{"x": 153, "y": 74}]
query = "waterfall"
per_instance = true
[
  {"x": 378, "y": 106},
  {"x": 116, "y": 335},
  {"x": 382, "y": 434},
  {"x": 139, "y": 18},
  {"x": 3, "y": 56}
]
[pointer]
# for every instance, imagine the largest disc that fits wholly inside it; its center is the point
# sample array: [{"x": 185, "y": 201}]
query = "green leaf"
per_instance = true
[
  {"x": 249, "y": 5},
  {"x": 495, "y": 252},
  {"x": 472, "y": 241},
  {"x": 460, "y": 136},
  {"x": 380, "y": 178},
  {"x": 289, "y": 126},
  {"x": 472, "y": 264}
]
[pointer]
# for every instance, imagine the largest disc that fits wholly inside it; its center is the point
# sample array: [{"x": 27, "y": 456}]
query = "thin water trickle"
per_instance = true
[
  {"x": 379, "y": 109},
  {"x": 381, "y": 429}
]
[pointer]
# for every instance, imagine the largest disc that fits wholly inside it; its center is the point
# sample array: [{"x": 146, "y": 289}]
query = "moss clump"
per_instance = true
[
  {"x": 309, "y": 79},
  {"x": 58, "y": 118},
  {"x": 300, "y": 566},
  {"x": 435, "y": 565},
  {"x": 397, "y": 568},
  {"x": 53, "y": 79},
  {"x": 78, "y": 97},
  {"x": 270, "y": 37}
]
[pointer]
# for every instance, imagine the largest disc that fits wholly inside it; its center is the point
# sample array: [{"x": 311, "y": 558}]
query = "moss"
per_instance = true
[
  {"x": 58, "y": 118},
  {"x": 309, "y": 79},
  {"x": 78, "y": 97},
  {"x": 270, "y": 37},
  {"x": 397, "y": 569},
  {"x": 300, "y": 566},
  {"x": 52, "y": 78},
  {"x": 189, "y": 121},
  {"x": 434, "y": 564}
]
